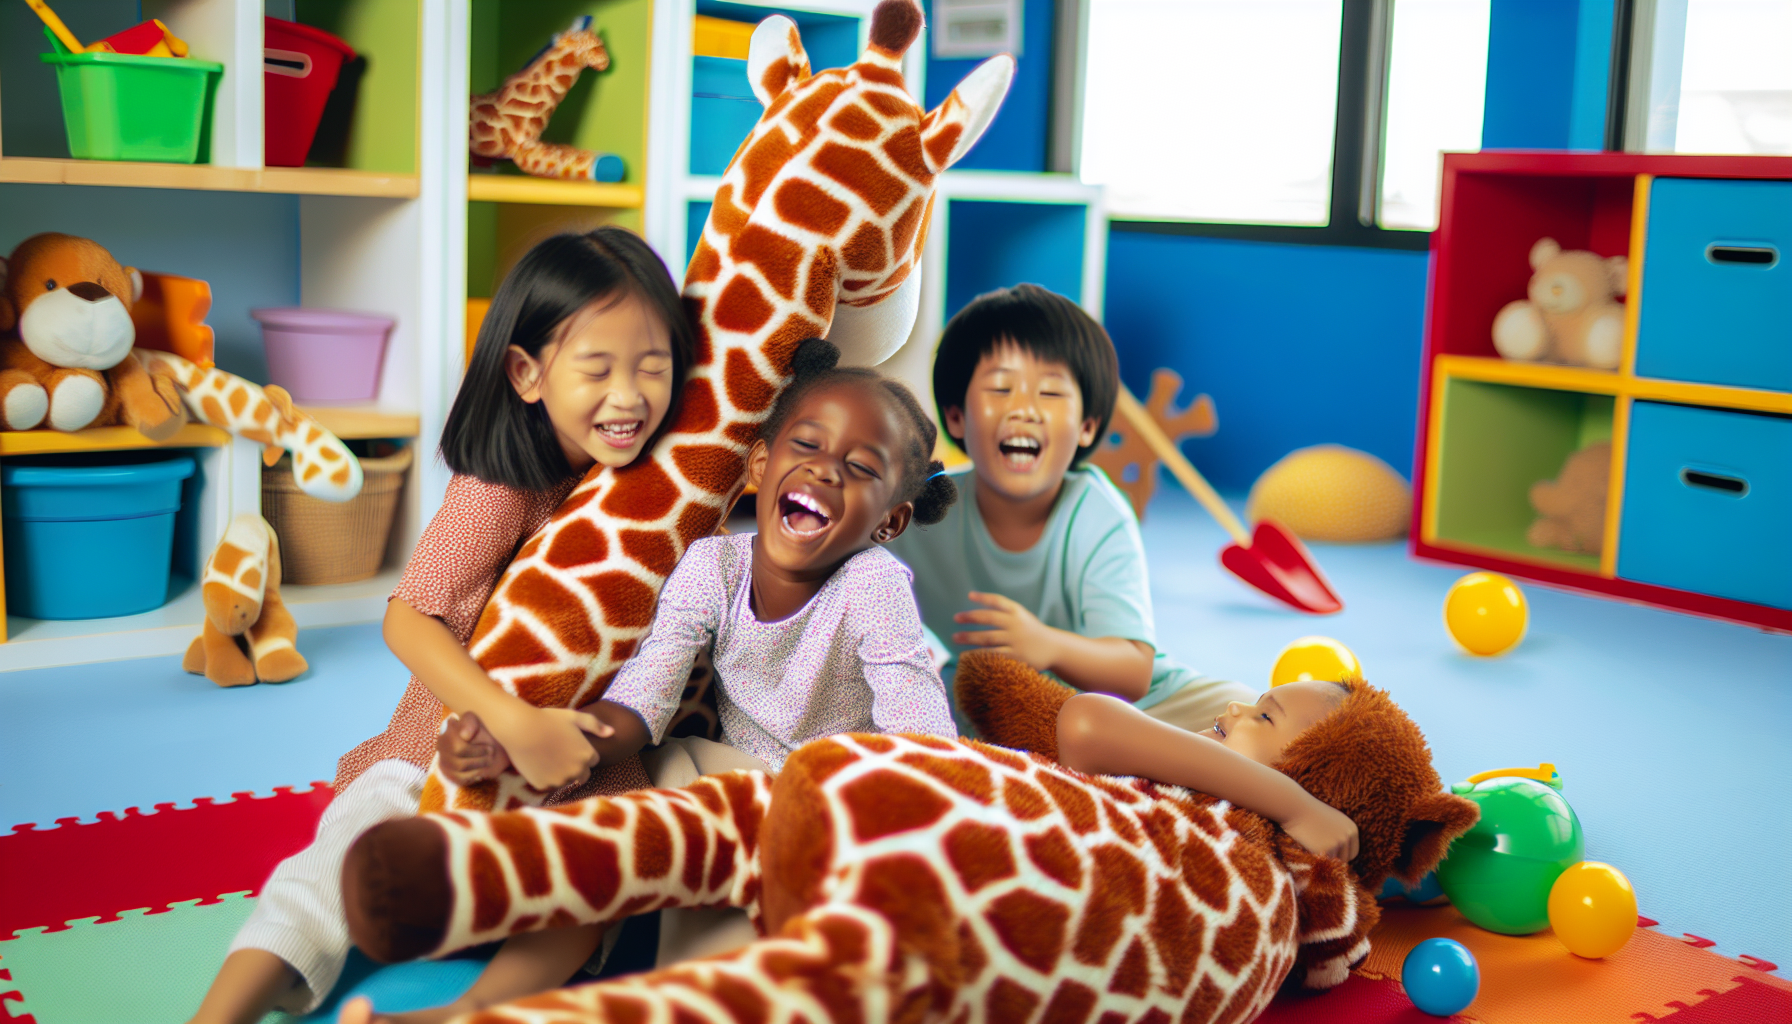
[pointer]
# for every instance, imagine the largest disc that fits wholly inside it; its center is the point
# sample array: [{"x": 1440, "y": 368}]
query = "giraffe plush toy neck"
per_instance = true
[
  {"x": 918, "y": 879},
  {"x": 816, "y": 231},
  {"x": 507, "y": 124}
]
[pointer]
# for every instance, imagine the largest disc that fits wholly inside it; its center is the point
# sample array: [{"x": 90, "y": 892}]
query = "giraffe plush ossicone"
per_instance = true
[
  {"x": 507, "y": 124},
  {"x": 918, "y": 879},
  {"x": 816, "y": 230},
  {"x": 241, "y": 594}
]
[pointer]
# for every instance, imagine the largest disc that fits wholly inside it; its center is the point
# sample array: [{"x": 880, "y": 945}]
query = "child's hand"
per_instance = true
[
  {"x": 468, "y": 753},
  {"x": 1323, "y": 830},
  {"x": 1012, "y": 631},
  {"x": 547, "y": 746}
]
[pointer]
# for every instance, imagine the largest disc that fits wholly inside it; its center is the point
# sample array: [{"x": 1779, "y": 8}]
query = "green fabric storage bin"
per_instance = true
[{"x": 119, "y": 106}]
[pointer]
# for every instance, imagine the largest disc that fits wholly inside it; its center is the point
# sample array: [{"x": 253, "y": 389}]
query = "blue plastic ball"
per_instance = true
[{"x": 1441, "y": 977}]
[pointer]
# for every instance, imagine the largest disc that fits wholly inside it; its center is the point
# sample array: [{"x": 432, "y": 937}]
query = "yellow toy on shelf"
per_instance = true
[{"x": 148, "y": 39}]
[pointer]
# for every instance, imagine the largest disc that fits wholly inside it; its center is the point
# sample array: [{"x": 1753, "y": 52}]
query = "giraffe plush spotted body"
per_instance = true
[
  {"x": 816, "y": 231},
  {"x": 321, "y": 463},
  {"x": 507, "y": 124},
  {"x": 920, "y": 879},
  {"x": 240, "y": 590}
]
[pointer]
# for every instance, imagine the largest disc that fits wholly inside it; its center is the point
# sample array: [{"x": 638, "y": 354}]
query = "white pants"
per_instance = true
[
  {"x": 693, "y": 934},
  {"x": 299, "y": 916}
]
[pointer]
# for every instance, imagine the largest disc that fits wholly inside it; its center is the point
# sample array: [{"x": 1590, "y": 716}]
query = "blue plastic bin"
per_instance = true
[
  {"x": 86, "y": 540},
  {"x": 1708, "y": 502},
  {"x": 1717, "y": 283}
]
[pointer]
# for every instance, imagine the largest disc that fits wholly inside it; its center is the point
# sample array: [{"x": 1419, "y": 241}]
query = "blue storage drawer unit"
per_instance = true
[
  {"x": 1708, "y": 503},
  {"x": 723, "y": 112},
  {"x": 1717, "y": 290}
]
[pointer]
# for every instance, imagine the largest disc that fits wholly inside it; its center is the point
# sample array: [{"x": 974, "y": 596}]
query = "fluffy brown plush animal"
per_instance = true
[
  {"x": 919, "y": 879},
  {"x": 241, "y": 594},
  {"x": 1571, "y": 508},
  {"x": 69, "y": 363},
  {"x": 1570, "y": 315}
]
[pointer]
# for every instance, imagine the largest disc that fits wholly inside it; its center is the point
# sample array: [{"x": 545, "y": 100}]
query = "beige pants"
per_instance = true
[
  {"x": 694, "y": 934},
  {"x": 1199, "y": 702}
]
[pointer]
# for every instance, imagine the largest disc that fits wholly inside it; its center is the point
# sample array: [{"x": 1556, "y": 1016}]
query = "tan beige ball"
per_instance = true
[{"x": 1333, "y": 493}]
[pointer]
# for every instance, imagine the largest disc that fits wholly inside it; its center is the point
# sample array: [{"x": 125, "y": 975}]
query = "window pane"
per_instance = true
[
  {"x": 1214, "y": 110},
  {"x": 1736, "y": 78},
  {"x": 1437, "y": 78}
]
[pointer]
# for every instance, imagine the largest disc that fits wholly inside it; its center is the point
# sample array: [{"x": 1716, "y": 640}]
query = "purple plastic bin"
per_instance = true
[{"x": 324, "y": 355}]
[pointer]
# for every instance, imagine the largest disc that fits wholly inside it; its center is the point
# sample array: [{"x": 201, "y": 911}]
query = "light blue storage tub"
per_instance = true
[
  {"x": 87, "y": 540},
  {"x": 1708, "y": 503},
  {"x": 1717, "y": 283}
]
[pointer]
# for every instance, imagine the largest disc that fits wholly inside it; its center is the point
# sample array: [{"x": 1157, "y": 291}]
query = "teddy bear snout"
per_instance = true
[
  {"x": 75, "y": 327},
  {"x": 89, "y": 291}
]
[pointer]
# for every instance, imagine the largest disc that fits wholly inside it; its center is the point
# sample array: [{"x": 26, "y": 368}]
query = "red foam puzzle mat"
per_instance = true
[{"x": 52, "y": 876}]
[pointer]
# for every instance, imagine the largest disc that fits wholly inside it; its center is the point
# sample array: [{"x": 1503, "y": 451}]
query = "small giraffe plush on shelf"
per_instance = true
[
  {"x": 816, "y": 231},
  {"x": 321, "y": 463},
  {"x": 241, "y": 594},
  {"x": 507, "y": 124},
  {"x": 920, "y": 879}
]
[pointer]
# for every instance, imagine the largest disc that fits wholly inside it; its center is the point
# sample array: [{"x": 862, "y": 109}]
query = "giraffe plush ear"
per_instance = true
[
  {"x": 776, "y": 59},
  {"x": 950, "y": 130}
]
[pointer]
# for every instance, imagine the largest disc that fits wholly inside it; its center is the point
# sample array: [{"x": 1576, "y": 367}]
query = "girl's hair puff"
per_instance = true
[
  {"x": 491, "y": 433},
  {"x": 923, "y": 479}
]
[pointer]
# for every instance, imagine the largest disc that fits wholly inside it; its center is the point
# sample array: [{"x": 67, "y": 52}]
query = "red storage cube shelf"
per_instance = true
[{"x": 1476, "y": 409}]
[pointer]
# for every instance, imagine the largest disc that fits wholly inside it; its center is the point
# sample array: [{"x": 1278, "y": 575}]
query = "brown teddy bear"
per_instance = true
[
  {"x": 69, "y": 364},
  {"x": 1571, "y": 316},
  {"x": 1571, "y": 508}
]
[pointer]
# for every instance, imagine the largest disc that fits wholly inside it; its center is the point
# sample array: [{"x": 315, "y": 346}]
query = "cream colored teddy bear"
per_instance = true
[{"x": 1570, "y": 316}]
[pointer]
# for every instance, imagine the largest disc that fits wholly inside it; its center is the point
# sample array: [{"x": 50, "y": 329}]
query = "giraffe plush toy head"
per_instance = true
[
  {"x": 816, "y": 231},
  {"x": 919, "y": 879}
]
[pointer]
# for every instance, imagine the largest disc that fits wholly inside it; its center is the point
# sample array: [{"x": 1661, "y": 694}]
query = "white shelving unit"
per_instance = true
[{"x": 370, "y": 239}]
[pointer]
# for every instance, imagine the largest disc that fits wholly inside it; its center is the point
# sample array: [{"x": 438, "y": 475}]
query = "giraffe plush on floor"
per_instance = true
[
  {"x": 507, "y": 124},
  {"x": 241, "y": 593},
  {"x": 321, "y": 463},
  {"x": 816, "y": 231},
  {"x": 918, "y": 879}
]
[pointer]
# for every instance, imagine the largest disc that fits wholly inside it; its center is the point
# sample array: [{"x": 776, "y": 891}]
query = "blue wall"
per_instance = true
[
  {"x": 1016, "y": 140},
  {"x": 246, "y": 245},
  {"x": 1297, "y": 344}
]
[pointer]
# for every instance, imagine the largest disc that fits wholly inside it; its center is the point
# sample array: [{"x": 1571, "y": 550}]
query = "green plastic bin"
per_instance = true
[{"x": 118, "y": 106}]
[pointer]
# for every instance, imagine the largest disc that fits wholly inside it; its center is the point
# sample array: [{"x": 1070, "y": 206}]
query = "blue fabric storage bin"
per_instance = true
[
  {"x": 1708, "y": 503},
  {"x": 1717, "y": 288},
  {"x": 723, "y": 112},
  {"x": 86, "y": 540}
]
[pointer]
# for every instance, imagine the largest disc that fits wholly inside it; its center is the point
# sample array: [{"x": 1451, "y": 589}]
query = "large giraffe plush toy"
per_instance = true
[
  {"x": 816, "y": 231},
  {"x": 904, "y": 878},
  {"x": 507, "y": 124}
]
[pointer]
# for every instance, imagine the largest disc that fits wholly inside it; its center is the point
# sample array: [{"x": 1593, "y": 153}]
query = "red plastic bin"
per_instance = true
[{"x": 301, "y": 65}]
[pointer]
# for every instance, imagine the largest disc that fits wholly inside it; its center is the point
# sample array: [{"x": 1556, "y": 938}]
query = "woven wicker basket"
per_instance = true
[{"x": 333, "y": 541}]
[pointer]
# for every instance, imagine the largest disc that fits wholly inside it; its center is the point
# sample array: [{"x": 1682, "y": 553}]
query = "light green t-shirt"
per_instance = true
[{"x": 1085, "y": 575}]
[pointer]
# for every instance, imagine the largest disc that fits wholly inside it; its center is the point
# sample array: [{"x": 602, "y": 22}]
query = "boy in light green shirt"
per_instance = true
[{"x": 1041, "y": 558}]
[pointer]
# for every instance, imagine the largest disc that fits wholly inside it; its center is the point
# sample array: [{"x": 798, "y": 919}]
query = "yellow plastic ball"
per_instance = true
[
  {"x": 1592, "y": 909},
  {"x": 1314, "y": 657},
  {"x": 1486, "y": 613}
]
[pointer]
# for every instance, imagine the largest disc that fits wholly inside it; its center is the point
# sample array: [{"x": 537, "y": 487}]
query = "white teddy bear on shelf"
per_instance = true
[{"x": 1571, "y": 316}]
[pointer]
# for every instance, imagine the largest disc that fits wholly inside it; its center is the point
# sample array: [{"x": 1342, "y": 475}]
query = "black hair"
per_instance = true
[
  {"x": 1044, "y": 323},
  {"x": 491, "y": 433},
  {"x": 923, "y": 479}
]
